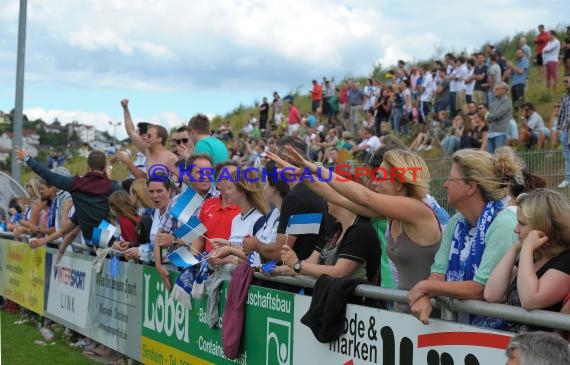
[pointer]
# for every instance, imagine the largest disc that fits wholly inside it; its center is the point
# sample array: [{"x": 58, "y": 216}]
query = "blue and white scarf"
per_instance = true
[{"x": 464, "y": 260}]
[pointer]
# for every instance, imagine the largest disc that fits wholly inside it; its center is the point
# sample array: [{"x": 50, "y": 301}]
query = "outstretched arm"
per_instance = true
[{"x": 130, "y": 127}]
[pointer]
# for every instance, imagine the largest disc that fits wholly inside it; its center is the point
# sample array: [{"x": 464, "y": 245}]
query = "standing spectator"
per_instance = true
[
  {"x": 500, "y": 113},
  {"x": 294, "y": 118},
  {"x": 469, "y": 81},
  {"x": 462, "y": 76},
  {"x": 493, "y": 77},
  {"x": 342, "y": 98},
  {"x": 427, "y": 89},
  {"x": 263, "y": 115},
  {"x": 276, "y": 105},
  {"x": 333, "y": 109},
  {"x": 316, "y": 96},
  {"x": 562, "y": 127},
  {"x": 200, "y": 134},
  {"x": 442, "y": 96},
  {"x": 566, "y": 53},
  {"x": 480, "y": 75},
  {"x": 550, "y": 54},
  {"x": 540, "y": 41},
  {"x": 525, "y": 48},
  {"x": 520, "y": 77},
  {"x": 355, "y": 99}
]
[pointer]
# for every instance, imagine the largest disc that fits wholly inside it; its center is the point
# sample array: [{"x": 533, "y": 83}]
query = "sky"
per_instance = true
[{"x": 175, "y": 58}]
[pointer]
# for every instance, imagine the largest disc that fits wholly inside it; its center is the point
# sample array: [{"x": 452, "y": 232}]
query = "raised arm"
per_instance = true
[
  {"x": 130, "y": 127},
  {"x": 402, "y": 208},
  {"x": 61, "y": 182}
]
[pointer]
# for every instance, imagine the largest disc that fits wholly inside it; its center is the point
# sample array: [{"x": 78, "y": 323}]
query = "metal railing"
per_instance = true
[{"x": 449, "y": 306}]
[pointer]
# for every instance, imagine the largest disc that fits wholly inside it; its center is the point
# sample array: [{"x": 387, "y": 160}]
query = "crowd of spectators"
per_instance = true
[{"x": 506, "y": 241}]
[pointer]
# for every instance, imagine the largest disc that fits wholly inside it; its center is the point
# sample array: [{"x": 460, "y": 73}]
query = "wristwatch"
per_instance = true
[
  {"x": 27, "y": 158},
  {"x": 297, "y": 266}
]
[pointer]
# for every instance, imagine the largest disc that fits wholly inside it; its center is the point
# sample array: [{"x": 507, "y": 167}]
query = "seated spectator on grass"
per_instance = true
[
  {"x": 476, "y": 237},
  {"x": 474, "y": 133},
  {"x": 533, "y": 130},
  {"x": 452, "y": 141},
  {"x": 369, "y": 144},
  {"x": 427, "y": 141},
  {"x": 535, "y": 271}
]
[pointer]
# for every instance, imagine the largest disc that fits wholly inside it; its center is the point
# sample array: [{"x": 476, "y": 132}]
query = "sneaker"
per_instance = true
[
  {"x": 564, "y": 184},
  {"x": 421, "y": 148},
  {"x": 428, "y": 148}
]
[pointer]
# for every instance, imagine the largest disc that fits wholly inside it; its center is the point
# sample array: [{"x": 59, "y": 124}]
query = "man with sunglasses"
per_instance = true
[{"x": 181, "y": 144}]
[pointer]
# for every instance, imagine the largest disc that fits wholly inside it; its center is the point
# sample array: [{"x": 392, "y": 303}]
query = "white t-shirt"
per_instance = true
[
  {"x": 463, "y": 74},
  {"x": 242, "y": 225},
  {"x": 373, "y": 144},
  {"x": 551, "y": 51},
  {"x": 429, "y": 87},
  {"x": 470, "y": 86},
  {"x": 268, "y": 234}
]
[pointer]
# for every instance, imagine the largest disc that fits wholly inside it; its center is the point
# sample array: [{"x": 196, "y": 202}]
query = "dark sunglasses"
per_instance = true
[{"x": 181, "y": 140}]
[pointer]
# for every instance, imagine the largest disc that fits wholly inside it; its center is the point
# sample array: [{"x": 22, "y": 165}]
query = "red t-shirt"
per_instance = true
[
  {"x": 294, "y": 115},
  {"x": 217, "y": 219},
  {"x": 541, "y": 41},
  {"x": 128, "y": 229},
  {"x": 317, "y": 92}
]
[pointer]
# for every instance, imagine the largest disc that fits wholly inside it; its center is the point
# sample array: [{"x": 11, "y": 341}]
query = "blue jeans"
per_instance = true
[
  {"x": 450, "y": 144},
  {"x": 396, "y": 118},
  {"x": 497, "y": 142},
  {"x": 565, "y": 153}
]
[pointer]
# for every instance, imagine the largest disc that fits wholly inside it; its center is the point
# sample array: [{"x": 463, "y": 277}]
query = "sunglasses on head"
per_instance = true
[{"x": 181, "y": 140}]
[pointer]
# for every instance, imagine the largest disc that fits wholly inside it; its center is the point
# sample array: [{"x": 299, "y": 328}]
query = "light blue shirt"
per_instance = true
[{"x": 521, "y": 78}]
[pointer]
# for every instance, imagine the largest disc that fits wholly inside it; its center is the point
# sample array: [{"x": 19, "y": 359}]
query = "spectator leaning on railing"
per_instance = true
[{"x": 476, "y": 237}]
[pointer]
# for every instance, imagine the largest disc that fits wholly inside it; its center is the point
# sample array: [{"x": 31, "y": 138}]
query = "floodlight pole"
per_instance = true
[{"x": 18, "y": 107}]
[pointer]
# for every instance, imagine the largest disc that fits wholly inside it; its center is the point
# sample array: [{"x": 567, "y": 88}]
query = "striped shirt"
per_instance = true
[{"x": 564, "y": 115}]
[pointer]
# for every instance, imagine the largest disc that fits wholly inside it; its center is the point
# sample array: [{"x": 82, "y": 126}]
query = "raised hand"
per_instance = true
[{"x": 125, "y": 103}]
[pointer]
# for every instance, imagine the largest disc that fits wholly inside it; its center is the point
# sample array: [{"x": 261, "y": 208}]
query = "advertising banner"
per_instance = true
[
  {"x": 115, "y": 308},
  {"x": 374, "y": 336},
  {"x": 68, "y": 290},
  {"x": 23, "y": 275},
  {"x": 175, "y": 335}
]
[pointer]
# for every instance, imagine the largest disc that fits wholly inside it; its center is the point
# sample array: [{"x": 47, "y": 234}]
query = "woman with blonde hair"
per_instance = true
[
  {"x": 476, "y": 237},
  {"x": 31, "y": 217},
  {"x": 400, "y": 184},
  {"x": 140, "y": 197},
  {"x": 535, "y": 272},
  {"x": 244, "y": 190}
]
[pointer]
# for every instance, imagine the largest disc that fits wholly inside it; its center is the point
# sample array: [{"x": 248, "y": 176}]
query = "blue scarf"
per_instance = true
[
  {"x": 52, "y": 212},
  {"x": 464, "y": 270}
]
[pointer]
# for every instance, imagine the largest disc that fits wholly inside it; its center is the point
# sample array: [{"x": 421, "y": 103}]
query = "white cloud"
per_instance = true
[{"x": 101, "y": 120}]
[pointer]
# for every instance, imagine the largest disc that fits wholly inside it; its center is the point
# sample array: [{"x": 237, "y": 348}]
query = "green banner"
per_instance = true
[{"x": 172, "y": 334}]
